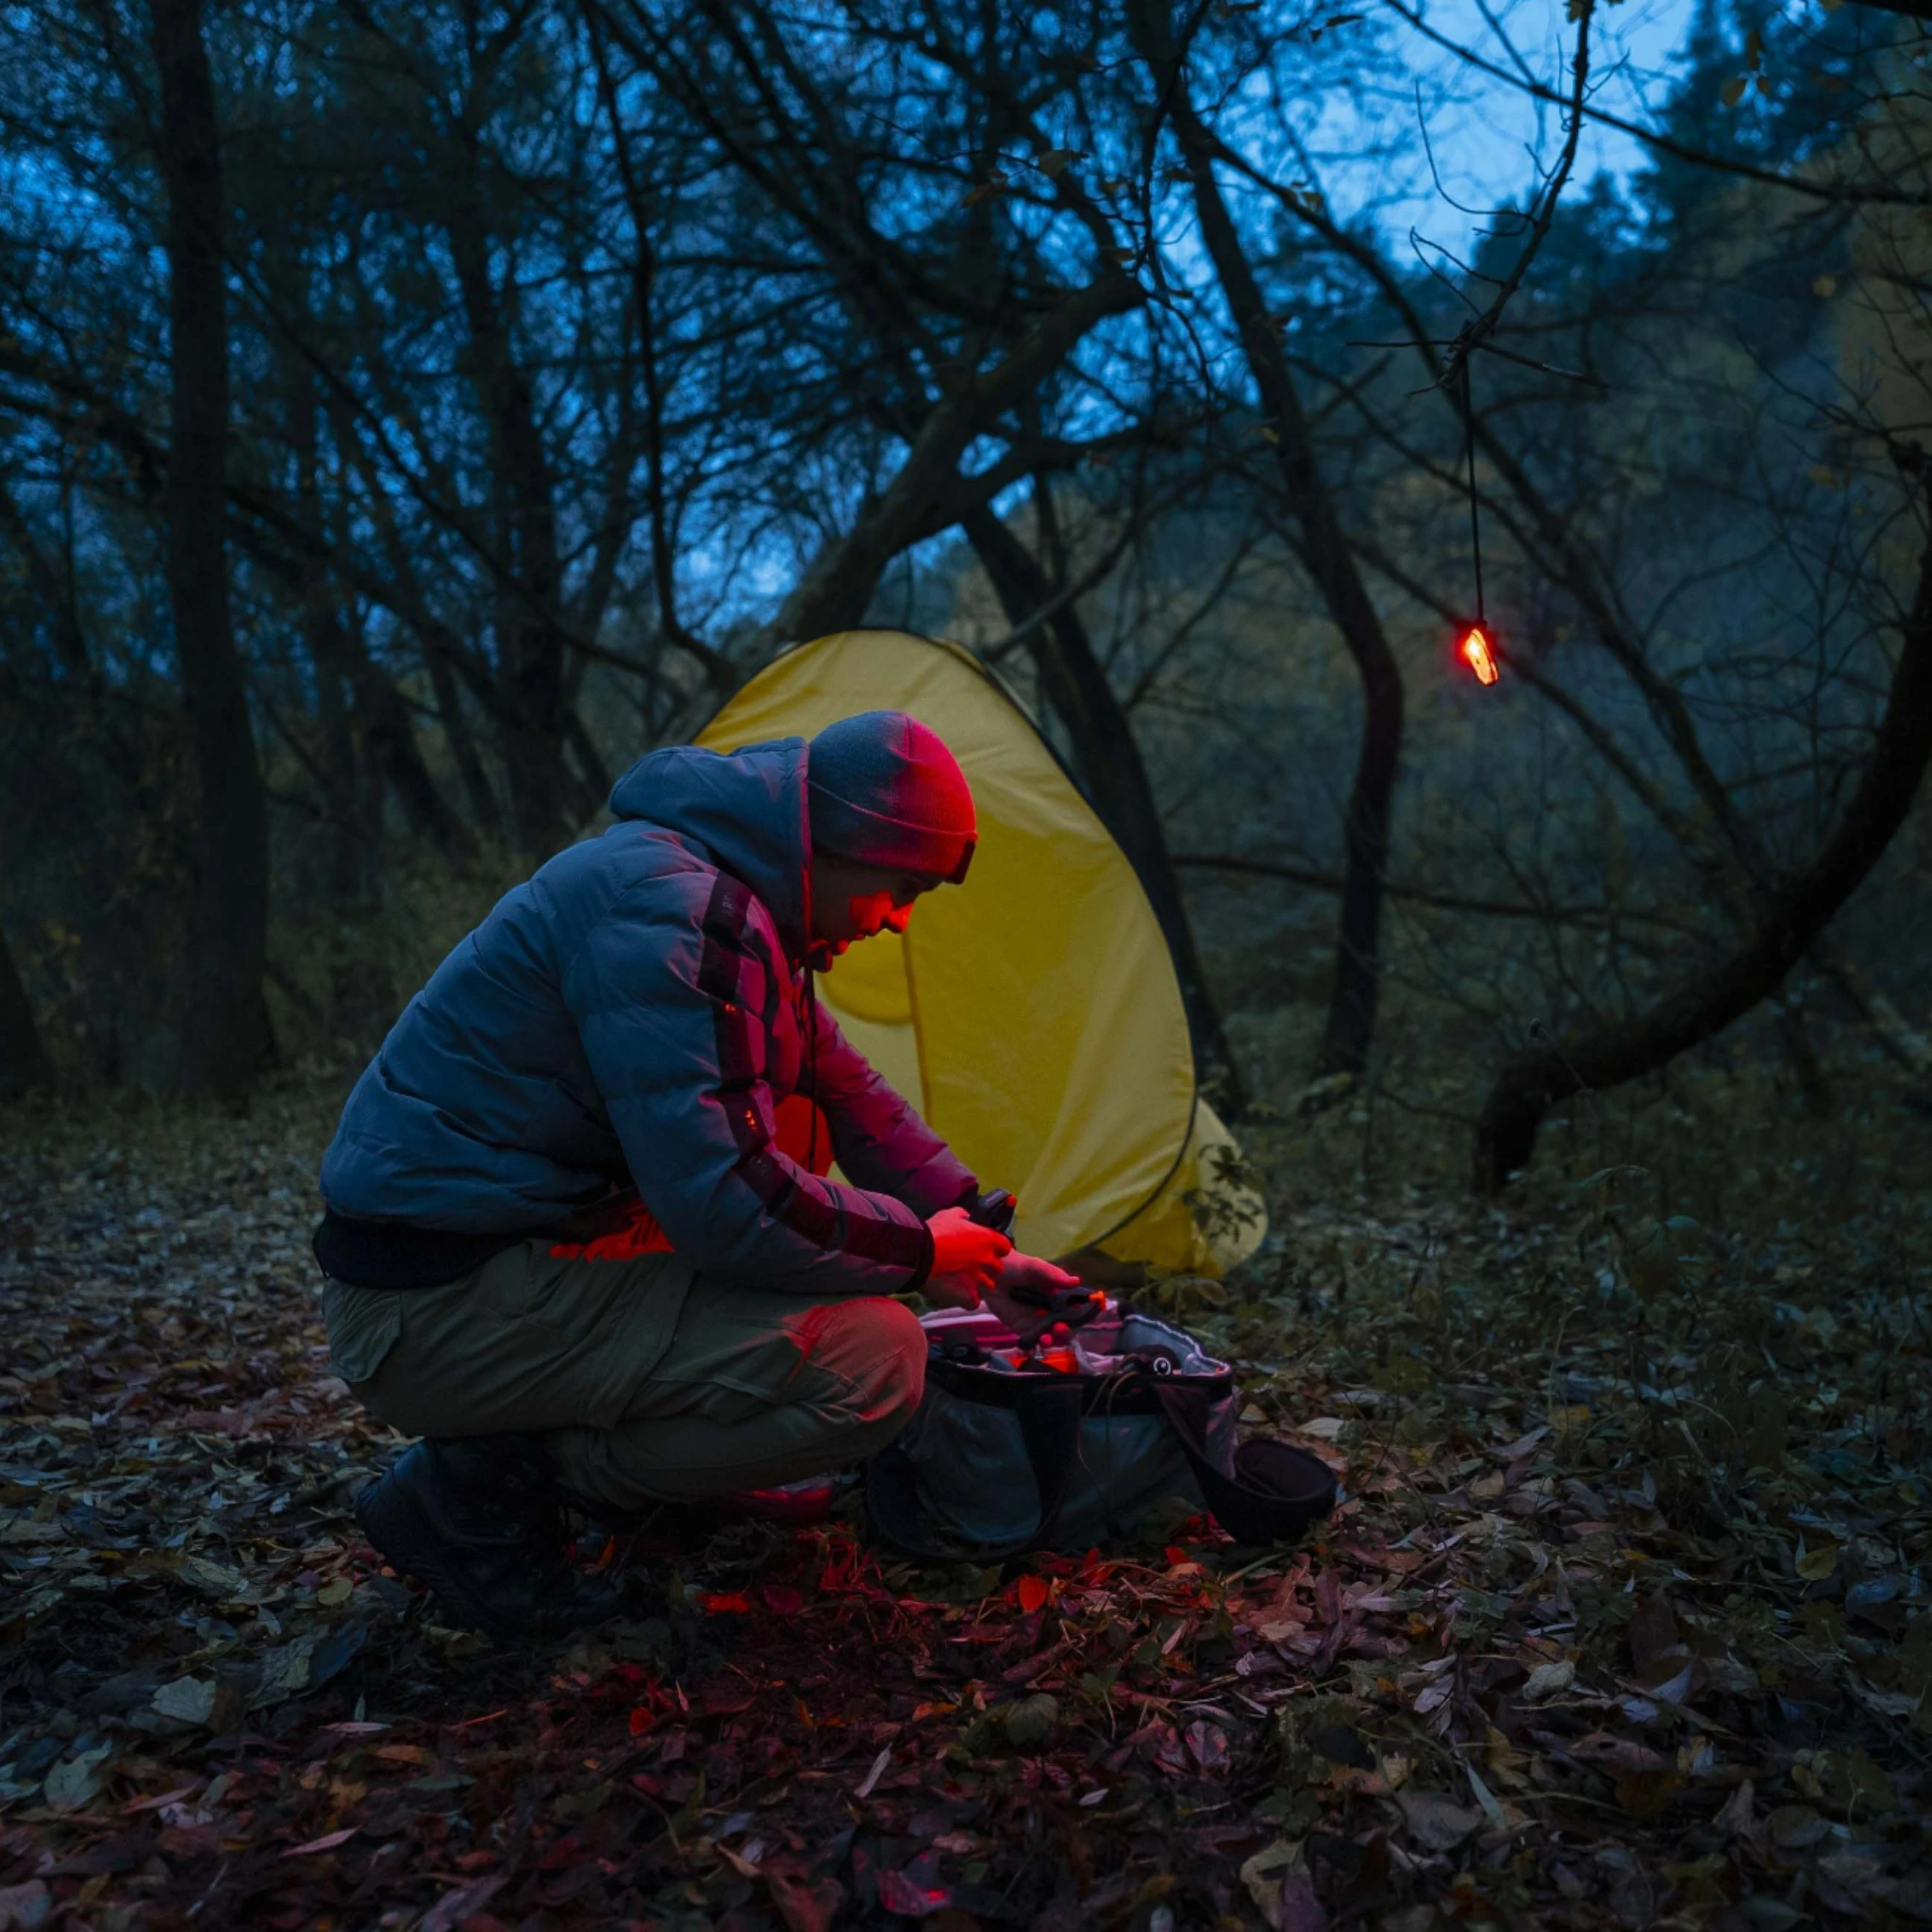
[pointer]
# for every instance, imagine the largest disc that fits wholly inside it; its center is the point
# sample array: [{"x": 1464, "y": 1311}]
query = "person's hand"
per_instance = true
[
  {"x": 1036, "y": 1280},
  {"x": 966, "y": 1259},
  {"x": 1022, "y": 1276}
]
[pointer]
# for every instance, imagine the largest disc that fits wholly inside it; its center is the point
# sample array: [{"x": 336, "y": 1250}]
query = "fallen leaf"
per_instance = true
[
  {"x": 1674, "y": 1689},
  {"x": 188, "y": 1700},
  {"x": 1815, "y": 1566},
  {"x": 327, "y": 1842},
  {"x": 1437, "y": 1823},
  {"x": 908, "y": 1897},
  {"x": 806, "y": 1904},
  {"x": 1651, "y": 1633},
  {"x": 1795, "y": 1826},
  {"x": 1208, "y": 1745},
  {"x": 1492, "y": 1809},
  {"x": 453, "y": 1907},
  {"x": 874, "y": 1775},
  {"x": 73, "y": 1783},
  {"x": 1301, "y": 1911},
  {"x": 1738, "y": 1818},
  {"x": 155, "y": 1803},
  {"x": 1262, "y": 1877},
  {"x": 213, "y": 1579},
  {"x": 285, "y": 1672},
  {"x": 1872, "y": 1591},
  {"x": 26, "y": 1908},
  {"x": 1620, "y": 1753},
  {"x": 1648, "y": 1793},
  {"x": 1549, "y": 1680},
  {"x": 1030, "y": 1721},
  {"x": 1034, "y": 1592}
]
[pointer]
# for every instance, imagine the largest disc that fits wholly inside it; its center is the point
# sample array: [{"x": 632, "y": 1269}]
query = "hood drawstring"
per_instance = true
[{"x": 811, "y": 1055}]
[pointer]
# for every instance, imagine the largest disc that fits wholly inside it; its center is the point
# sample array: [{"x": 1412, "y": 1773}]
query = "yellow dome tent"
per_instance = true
[{"x": 1032, "y": 1014}]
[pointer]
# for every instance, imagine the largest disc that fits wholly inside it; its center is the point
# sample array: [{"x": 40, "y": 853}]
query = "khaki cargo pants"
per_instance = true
[{"x": 648, "y": 1382}]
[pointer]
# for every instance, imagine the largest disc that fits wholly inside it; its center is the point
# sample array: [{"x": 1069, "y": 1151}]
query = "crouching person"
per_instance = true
[{"x": 562, "y": 1243}]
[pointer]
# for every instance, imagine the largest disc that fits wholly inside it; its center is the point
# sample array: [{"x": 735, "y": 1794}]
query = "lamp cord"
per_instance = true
[
  {"x": 811, "y": 1020},
  {"x": 1476, "y": 534}
]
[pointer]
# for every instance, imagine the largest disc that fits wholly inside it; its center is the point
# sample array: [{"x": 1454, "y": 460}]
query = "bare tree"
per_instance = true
[
  {"x": 226, "y": 1034},
  {"x": 1325, "y": 553}
]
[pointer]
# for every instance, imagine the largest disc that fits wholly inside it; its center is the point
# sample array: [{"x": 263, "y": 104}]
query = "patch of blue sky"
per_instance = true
[{"x": 1427, "y": 143}]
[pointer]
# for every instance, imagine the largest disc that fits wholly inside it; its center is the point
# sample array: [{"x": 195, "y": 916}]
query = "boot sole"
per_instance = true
[{"x": 392, "y": 1523}]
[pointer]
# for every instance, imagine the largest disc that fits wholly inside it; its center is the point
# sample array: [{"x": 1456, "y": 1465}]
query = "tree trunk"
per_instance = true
[
  {"x": 1786, "y": 924},
  {"x": 24, "y": 1062},
  {"x": 390, "y": 741},
  {"x": 353, "y": 833},
  {"x": 834, "y": 591},
  {"x": 462, "y": 745},
  {"x": 1329, "y": 560},
  {"x": 531, "y": 642},
  {"x": 1076, "y": 686},
  {"x": 227, "y": 1036}
]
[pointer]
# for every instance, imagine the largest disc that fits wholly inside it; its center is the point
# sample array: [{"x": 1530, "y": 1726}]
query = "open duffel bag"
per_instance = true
[{"x": 1067, "y": 1447}]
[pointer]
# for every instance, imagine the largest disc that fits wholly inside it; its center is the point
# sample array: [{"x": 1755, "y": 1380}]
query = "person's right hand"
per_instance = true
[{"x": 965, "y": 1260}]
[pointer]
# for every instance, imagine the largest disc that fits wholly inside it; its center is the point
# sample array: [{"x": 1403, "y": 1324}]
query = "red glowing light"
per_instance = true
[{"x": 1475, "y": 651}]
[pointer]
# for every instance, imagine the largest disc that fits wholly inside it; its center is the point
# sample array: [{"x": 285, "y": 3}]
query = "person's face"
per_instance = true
[{"x": 851, "y": 901}]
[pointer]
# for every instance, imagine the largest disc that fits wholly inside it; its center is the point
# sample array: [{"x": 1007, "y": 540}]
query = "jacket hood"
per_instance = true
[{"x": 745, "y": 810}]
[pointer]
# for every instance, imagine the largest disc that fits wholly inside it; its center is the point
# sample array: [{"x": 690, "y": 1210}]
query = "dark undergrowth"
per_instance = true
[{"x": 1625, "y": 1621}]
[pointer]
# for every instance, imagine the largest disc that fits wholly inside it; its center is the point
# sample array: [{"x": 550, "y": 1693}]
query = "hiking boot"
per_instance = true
[{"x": 480, "y": 1520}]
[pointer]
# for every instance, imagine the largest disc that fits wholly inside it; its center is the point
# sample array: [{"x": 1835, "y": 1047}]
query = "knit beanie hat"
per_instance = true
[{"x": 884, "y": 789}]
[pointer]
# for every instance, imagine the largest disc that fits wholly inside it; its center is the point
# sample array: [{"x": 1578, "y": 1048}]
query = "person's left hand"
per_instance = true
[{"x": 1031, "y": 1276}]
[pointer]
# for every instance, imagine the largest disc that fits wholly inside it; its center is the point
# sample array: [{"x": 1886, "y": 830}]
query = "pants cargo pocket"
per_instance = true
[{"x": 363, "y": 1325}]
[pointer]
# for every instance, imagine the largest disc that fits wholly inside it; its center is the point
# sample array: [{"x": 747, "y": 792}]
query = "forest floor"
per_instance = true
[{"x": 1624, "y": 1622}]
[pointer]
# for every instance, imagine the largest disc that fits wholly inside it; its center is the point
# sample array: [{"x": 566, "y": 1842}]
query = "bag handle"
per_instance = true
[{"x": 1272, "y": 1493}]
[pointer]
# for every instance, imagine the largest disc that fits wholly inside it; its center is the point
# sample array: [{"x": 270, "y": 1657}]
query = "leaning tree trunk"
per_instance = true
[
  {"x": 839, "y": 583},
  {"x": 532, "y": 704},
  {"x": 1076, "y": 686},
  {"x": 24, "y": 1062},
  {"x": 227, "y": 1035},
  {"x": 1786, "y": 924},
  {"x": 1351, "y": 1022},
  {"x": 390, "y": 741}
]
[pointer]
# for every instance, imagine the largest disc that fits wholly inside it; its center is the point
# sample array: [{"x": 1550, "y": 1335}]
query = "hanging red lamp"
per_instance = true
[
  {"x": 1477, "y": 648},
  {"x": 1477, "y": 652}
]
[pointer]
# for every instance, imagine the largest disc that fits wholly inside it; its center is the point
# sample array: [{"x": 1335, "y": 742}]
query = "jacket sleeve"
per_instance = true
[
  {"x": 877, "y": 1137},
  {"x": 667, "y": 991}
]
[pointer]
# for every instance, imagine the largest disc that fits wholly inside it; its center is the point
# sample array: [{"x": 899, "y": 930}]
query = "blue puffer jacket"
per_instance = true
[{"x": 630, "y": 1017}]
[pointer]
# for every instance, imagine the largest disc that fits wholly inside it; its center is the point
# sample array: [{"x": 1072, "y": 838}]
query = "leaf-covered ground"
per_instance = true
[{"x": 1625, "y": 1621}]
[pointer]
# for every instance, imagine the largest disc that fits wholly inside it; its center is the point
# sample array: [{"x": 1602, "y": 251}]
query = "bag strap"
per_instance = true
[
  {"x": 891, "y": 1500},
  {"x": 1050, "y": 1429},
  {"x": 1049, "y": 1419},
  {"x": 1272, "y": 1493}
]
